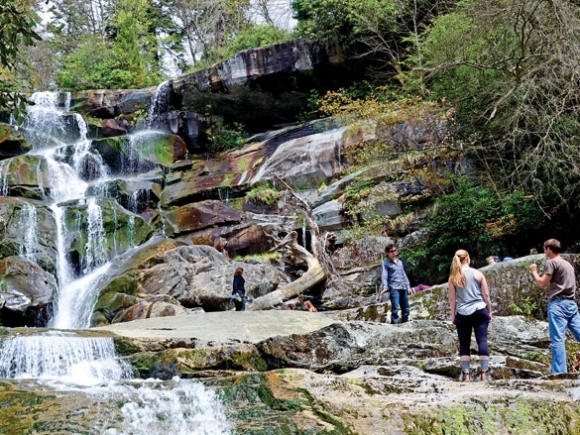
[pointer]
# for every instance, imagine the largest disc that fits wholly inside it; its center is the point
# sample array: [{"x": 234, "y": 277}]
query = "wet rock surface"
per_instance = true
[{"x": 310, "y": 373}]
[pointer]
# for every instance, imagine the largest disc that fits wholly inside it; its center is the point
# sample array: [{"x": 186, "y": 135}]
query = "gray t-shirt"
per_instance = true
[
  {"x": 469, "y": 299},
  {"x": 563, "y": 282}
]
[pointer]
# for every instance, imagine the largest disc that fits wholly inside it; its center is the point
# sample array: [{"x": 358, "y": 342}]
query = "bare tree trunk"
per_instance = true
[
  {"x": 314, "y": 275},
  {"x": 319, "y": 265}
]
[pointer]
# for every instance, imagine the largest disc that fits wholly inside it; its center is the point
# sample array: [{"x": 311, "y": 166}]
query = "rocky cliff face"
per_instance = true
[
  {"x": 147, "y": 187},
  {"x": 260, "y": 88}
]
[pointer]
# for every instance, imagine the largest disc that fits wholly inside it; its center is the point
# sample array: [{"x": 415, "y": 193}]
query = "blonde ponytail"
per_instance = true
[{"x": 456, "y": 275}]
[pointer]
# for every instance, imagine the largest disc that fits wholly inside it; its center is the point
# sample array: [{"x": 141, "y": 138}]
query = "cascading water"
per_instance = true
[
  {"x": 78, "y": 364},
  {"x": 28, "y": 248}
]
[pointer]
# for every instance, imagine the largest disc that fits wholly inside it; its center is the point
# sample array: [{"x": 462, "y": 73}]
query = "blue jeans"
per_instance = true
[
  {"x": 562, "y": 314},
  {"x": 402, "y": 297}
]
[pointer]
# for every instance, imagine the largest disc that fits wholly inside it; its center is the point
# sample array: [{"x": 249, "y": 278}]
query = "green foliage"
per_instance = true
[
  {"x": 16, "y": 30},
  {"x": 256, "y": 36},
  {"x": 354, "y": 193},
  {"x": 265, "y": 194},
  {"x": 527, "y": 307},
  {"x": 509, "y": 68},
  {"x": 454, "y": 40},
  {"x": 381, "y": 32},
  {"x": 126, "y": 60},
  {"x": 536, "y": 356},
  {"x": 222, "y": 137},
  {"x": 474, "y": 218}
]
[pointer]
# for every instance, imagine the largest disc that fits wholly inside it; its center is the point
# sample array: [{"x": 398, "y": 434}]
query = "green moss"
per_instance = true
[
  {"x": 256, "y": 402},
  {"x": 123, "y": 284},
  {"x": 227, "y": 180},
  {"x": 373, "y": 314},
  {"x": 125, "y": 346},
  {"x": 143, "y": 363},
  {"x": 516, "y": 416},
  {"x": 265, "y": 194}
]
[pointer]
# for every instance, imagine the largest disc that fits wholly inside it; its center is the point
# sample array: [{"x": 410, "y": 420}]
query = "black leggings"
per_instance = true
[{"x": 478, "y": 322}]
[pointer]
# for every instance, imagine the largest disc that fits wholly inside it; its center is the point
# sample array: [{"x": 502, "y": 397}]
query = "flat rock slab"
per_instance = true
[{"x": 223, "y": 326}]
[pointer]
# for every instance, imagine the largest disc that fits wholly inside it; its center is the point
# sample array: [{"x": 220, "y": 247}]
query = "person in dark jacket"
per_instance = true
[{"x": 239, "y": 291}]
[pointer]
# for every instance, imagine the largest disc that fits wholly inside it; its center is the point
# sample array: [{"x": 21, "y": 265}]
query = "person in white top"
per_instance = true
[{"x": 470, "y": 311}]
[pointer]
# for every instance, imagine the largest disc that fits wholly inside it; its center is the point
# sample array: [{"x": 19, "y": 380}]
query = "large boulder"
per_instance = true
[
  {"x": 140, "y": 153},
  {"x": 12, "y": 142},
  {"x": 259, "y": 88},
  {"x": 200, "y": 215},
  {"x": 189, "y": 276},
  {"x": 29, "y": 231},
  {"x": 25, "y": 289},
  {"x": 24, "y": 175}
]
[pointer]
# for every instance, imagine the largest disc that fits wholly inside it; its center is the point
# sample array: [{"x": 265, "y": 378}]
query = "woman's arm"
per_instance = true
[
  {"x": 452, "y": 301},
  {"x": 484, "y": 292}
]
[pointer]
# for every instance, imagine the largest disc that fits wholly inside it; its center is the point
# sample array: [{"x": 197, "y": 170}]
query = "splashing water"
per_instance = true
[
  {"x": 4, "y": 170},
  {"x": 198, "y": 409},
  {"x": 70, "y": 359},
  {"x": 29, "y": 223}
]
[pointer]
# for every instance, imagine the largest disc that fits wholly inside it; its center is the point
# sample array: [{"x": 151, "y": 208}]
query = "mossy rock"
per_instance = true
[
  {"x": 262, "y": 404},
  {"x": 187, "y": 362}
]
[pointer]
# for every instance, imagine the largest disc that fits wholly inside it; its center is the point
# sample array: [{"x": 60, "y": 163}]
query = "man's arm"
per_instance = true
[
  {"x": 543, "y": 280},
  {"x": 384, "y": 278}
]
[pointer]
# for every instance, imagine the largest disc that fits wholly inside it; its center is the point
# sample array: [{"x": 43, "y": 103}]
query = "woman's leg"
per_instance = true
[
  {"x": 464, "y": 334},
  {"x": 480, "y": 327}
]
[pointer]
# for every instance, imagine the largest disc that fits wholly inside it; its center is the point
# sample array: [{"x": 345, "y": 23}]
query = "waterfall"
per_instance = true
[
  {"x": 96, "y": 241},
  {"x": 74, "y": 363},
  {"x": 4, "y": 168},
  {"x": 29, "y": 223},
  {"x": 224, "y": 194},
  {"x": 158, "y": 100},
  {"x": 77, "y": 360}
]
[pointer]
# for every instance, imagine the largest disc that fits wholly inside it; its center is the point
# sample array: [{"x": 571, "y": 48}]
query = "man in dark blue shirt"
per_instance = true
[{"x": 395, "y": 281}]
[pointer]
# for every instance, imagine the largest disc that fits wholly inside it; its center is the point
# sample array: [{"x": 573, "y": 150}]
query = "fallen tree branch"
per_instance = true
[{"x": 313, "y": 276}]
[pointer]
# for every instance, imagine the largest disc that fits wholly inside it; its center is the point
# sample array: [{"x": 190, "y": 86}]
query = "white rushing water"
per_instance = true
[
  {"x": 65, "y": 361},
  {"x": 29, "y": 221}
]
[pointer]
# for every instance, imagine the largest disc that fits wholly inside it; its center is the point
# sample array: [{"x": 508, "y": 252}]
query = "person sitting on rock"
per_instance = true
[
  {"x": 239, "y": 291},
  {"x": 307, "y": 303}
]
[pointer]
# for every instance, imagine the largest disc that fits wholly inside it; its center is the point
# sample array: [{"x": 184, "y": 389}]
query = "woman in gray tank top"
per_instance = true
[{"x": 470, "y": 310}]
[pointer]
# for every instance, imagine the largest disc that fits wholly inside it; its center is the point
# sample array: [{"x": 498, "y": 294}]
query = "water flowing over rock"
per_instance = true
[{"x": 259, "y": 88}]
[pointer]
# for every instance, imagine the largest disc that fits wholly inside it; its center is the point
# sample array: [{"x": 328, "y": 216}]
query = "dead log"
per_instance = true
[{"x": 313, "y": 276}]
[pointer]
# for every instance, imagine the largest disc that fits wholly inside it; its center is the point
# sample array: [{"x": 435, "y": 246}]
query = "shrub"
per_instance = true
[
  {"x": 265, "y": 194},
  {"x": 222, "y": 137},
  {"x": 475, "y": 218}
]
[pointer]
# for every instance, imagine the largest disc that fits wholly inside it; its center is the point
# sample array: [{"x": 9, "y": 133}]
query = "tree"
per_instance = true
[
  {"x": 380, "y": 32},
  {"x": 209, "y": 25},
  {"x": 511, "y": 69},
  {"x": 255, "y": 36},
  {"x": 16, "y": 30},
  {"x": 124, "y": 56}
]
